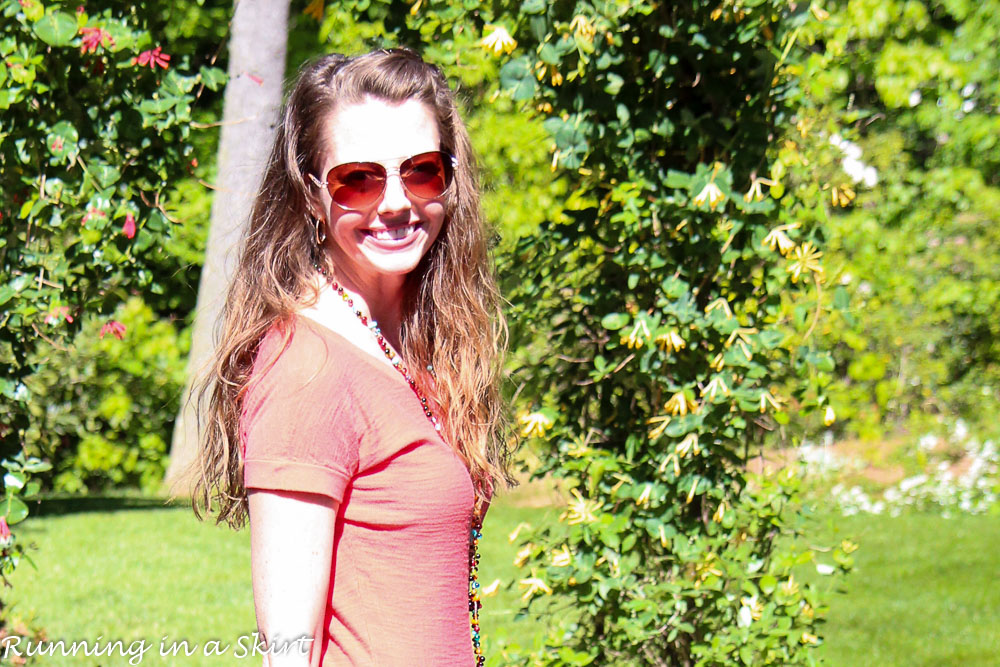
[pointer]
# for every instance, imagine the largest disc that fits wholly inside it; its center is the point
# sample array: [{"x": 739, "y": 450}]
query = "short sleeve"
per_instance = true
[{"x": 299, "y": 426}]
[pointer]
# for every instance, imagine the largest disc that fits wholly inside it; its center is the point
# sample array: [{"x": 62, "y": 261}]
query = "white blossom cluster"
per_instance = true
[
  {"x": 974, "y": 491},
  {"x": 851, "y": 163}
]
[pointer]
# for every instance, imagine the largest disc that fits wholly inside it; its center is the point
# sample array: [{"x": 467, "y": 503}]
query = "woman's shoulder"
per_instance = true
[{"x": 303, "y": 352}]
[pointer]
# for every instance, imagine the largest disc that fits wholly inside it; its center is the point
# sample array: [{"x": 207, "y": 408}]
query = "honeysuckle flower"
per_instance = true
[
  {"x": 689, "y": 445},
  {"x": 743, "y": 333},
  {"x": 765, "y": 399},
  {"x": 717, "y": 363},
  {"x": 829, "y": 416},
  {"x": 790, "y": 587},
  {"x": 755, "y": 193},
  {"x": 662, "y": 422},
  {"x": 720, "y": 513},
  {"x": 314, "y": 9},
  {"x": 680, "y": 404},
  {"x": 523, "y": 555},
  {"x": 556, "y": 76},
  {"x": 754, "y": 606},
  {"x": 581, "y": 510},
  {"x": 720, "y": 303},
  {"x": 809, "y": 638},
  {"x": 115, "y": 328},
  {"x": 672, "y": 458},
  {"x": 842, "y": 195},
  {"x": 715, "y": 385},
  {"x": 825, "y": 569},
  {"x": 820, "y": 13},
  {"x": 534, "y": 425},
  {"x": 582, "y": 28},
  {"x": 517, "y": 531},
  {"x": 491, "y": 590},
  {"x": 711, "y": 195},
  {"x": 643, "y": 498},
  {"x": 153, "y": 57},
  {"x": 848, "y": 547},
  {"x": 639, "y": 335},
  {"x": 498, "y": 41},
  {"x": 690, "y": 495},
  {"x": 534, "y": 585},
  {"x": 807, "y": 610},
  {"x": 663, "y": 536},
  {"x": 128, "y": 229},
  {"x": 805, "y": 259},
  {"x": 5, "y": 536},
  {"x": 778, "y": 240},
  {"x": 562, "y": 558},
  {"x": 670, "y": 341},
  {"x": 94, "y": 37}
]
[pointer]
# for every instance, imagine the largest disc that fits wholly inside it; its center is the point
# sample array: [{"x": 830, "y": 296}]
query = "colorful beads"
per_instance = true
[{"x": 476, "y": 531}]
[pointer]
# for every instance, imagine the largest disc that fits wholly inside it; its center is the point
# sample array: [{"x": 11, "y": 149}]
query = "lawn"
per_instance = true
[{"x": 926, "y": 590}]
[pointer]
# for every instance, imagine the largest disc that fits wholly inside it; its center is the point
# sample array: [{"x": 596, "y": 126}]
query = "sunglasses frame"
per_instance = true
[{"x": 448, "y": 158}]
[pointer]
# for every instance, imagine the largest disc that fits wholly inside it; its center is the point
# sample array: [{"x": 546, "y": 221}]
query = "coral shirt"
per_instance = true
[{"x": 329, "y": 418}]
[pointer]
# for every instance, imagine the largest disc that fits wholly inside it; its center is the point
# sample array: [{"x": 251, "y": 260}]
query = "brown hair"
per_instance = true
[{"x": 452, "y": 317}]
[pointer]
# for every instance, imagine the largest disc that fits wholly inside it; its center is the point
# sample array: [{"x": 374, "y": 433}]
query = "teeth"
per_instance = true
[{"x": 394, "y": 234}]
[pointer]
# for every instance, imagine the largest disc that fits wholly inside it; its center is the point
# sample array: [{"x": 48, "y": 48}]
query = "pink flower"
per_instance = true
[
  {"x": 56, "y": 313},
  {"x": 128, "y": 229},
  {"x": 4, "y": 532},
  {"x": 153, "y": 57},
  {"x": 115, "y": 328},
  {"x": 93, "y": 38}
]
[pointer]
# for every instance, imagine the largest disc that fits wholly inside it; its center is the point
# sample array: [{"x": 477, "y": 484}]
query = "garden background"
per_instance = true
[{"x": 750, "y": 253}]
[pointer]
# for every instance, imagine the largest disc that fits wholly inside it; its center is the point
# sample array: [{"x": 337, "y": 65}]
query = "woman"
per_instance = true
[{"x": 365, "y": 453}]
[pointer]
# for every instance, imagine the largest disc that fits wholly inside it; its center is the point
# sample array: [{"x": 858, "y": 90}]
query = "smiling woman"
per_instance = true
[{"x": 354, "y": 412}]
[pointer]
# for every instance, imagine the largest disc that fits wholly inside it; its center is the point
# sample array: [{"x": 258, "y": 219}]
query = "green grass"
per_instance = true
[{"x": 926, "y": 590}]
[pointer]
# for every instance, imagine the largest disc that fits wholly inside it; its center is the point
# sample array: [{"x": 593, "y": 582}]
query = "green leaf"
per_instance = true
[
  {"x": 614, "y": 321},
  {"x": 517, "y": 77},
  {"x": 14, "y": 509},
  {"x": 56, "y": 28},
  {"x": 213, "y": 77}
]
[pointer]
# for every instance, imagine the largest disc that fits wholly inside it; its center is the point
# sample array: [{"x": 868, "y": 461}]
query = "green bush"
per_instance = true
[{"x": 104, "y": 408}]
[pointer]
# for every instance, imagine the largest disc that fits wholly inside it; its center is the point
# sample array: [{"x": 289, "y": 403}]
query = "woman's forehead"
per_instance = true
[{"x": 376, "y": 130}]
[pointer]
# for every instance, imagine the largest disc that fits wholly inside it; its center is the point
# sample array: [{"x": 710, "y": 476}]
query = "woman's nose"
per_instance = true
[{"x": 394, "y": 199}]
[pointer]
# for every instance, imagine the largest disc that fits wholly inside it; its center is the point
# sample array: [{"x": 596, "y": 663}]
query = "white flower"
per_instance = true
[
  {"x": 968, "y": 89},
  {"x": 968, "y": 106},
  {"x": 915, "y": 98},
  {"x": 854, "y": 168},
  {"x": 851, "y": 150},
  {"x": 745, "y": 617},
  {"x": 825, "y": 569},
  {"x": 870, "y": 177}
]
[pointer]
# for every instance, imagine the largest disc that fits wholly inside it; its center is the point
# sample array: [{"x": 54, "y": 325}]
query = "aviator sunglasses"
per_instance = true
[{"x": 358, "y": 185}]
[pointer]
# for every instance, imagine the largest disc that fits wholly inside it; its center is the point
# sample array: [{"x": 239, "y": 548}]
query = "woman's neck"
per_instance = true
[{"x": 381, "y": 301}]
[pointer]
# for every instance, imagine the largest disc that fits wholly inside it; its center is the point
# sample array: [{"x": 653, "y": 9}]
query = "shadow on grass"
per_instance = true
[{"x": 61, "y": 505}]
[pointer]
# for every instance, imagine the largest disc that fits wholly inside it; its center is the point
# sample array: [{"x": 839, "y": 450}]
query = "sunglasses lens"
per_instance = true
[
  {"x": 427, "y": 175},
  {"x": 356, "y": 185}
]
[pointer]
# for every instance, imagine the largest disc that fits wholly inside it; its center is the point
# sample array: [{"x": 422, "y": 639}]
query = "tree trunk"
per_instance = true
[{"x": 253, "y": 98}]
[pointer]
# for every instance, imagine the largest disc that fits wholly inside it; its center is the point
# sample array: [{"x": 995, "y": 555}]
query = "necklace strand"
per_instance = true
[{"x": 476, "y": 531}]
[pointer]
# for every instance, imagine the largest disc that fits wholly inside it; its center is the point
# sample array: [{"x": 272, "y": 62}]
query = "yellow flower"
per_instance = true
[
  {"x": 716, "y": 385},
  {"x": 535, "y": 424},
  {"x": 806, "y": 259},
  {"x": 778, "y": 240},
  {"x": 842, "y": 195},
  {"x": 688, "y": 444},
  {"x": 556, "y": 76},
  {"x": 677, "y": 465},
  {"x": 314, "y": 9},
  {"x": 491, "y": 590},
  {"x": 544, "y": 107},
  {"x": 562, "y": 558},
  {"x": 523, "y": 555},
  {"x": 680, "y": 405},
  {"x": 790, "y": 587},
  {"x": 517, "y": 531},
  {"x": 755, "y": 606},
  {"x": 534, "y": 585},
  {"x": 820, "y": 13},
  {"x": 720, "y": 512},
  {"x": 663, "y": 536},
  {"x": 582, "y": 28},
  {"x": 808, "y": 638},
  {"x": 643, "y": 498},
  {"x": 830, "y": 416},
  {"x": 743, "y": 333},
  {"x": 720, "y": 303},
  {"x": 690, "y": 496},
  {"x": 711, "y": 195},
  {"x": 670, "y": 341},
  {"x": 717, "y": 363},
  {"x": 766, "y": 398},
  {"x": 581, "y": 510},
  {"x": 498, "y": 41},
  {"x": 663, "y": 422},
  {"x": 640, "y": 334},
  {"x": 755, "y": 193},
  {"x": 848, "y": 547}
]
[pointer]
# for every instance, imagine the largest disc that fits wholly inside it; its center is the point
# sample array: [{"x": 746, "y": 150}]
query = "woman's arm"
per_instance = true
[{"x": 291, "y": 551}]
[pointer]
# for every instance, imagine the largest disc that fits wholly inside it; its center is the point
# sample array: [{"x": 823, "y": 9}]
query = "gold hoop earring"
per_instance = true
[{"x": 320, "y": 231}]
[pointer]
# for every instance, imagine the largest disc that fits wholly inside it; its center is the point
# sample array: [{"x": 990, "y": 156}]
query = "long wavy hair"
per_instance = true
[{"x": 452, "y": 316}]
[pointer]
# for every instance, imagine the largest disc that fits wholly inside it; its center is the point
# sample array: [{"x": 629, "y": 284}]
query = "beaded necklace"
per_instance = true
[{"x": 475, "y": 604}]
